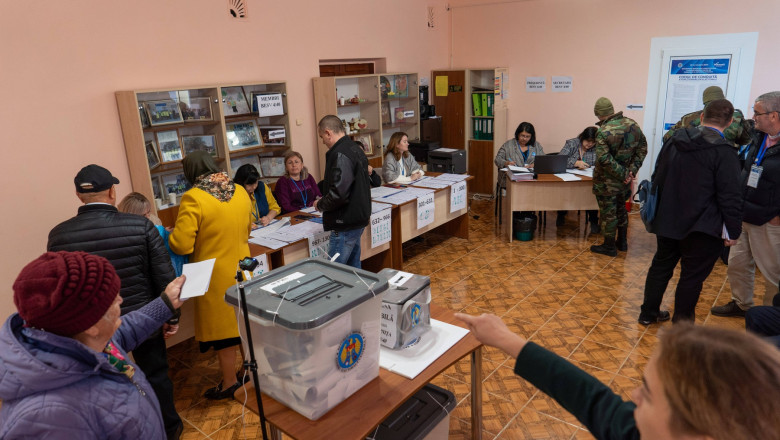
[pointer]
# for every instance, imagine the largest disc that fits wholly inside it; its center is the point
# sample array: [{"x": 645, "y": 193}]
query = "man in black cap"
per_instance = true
[{"x": 134, "y": 247}]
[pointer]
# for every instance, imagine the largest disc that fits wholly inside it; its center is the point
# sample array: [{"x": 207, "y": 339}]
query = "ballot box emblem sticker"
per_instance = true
[
  {"x": 414, "y": 315},
  {"x": 350, "y": 351}
]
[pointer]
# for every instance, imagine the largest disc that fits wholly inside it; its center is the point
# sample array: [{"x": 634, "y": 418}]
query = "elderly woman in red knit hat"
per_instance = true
[{"x": 64, "y": 366}]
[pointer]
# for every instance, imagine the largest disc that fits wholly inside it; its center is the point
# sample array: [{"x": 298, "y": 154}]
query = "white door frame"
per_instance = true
[{"x": 741, "y": 47}]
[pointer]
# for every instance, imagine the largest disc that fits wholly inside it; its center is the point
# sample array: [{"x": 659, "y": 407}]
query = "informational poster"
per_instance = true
[
  {"x": 319, "y": 244},
  {"x": 262, "y": 267},
  {"x": 561, "y": 84},
  {"x": 442, "y": 81},
  {"x": 270, "y": 104},
  {"x": 535, "y": 84},
  {"x": 688, "y": 77},
  {"x": 425, "y": 210},
  {"x": 458, "y": 196},
  {"x": 380, "y": 228}
]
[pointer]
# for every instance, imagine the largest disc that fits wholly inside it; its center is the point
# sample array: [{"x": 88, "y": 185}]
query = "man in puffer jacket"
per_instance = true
[
  {"x": 134, "y": 247},
  {"x": 64, "y": 370}
]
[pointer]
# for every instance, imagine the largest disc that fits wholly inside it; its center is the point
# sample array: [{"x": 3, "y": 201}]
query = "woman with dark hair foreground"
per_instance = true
[{"x": 700, "y": 383}]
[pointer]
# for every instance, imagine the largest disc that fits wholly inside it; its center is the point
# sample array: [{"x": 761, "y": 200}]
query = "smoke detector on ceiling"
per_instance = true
[{"x": 237, "y": 9}]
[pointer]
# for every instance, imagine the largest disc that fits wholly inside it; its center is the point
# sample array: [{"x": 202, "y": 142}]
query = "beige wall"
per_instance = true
[
  {"x": 62, "y": 61},
  {"x": 604, "y": 45}
]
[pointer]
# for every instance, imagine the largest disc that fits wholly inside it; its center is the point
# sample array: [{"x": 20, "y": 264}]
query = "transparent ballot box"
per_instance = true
[{"x": 315, "y": 328}]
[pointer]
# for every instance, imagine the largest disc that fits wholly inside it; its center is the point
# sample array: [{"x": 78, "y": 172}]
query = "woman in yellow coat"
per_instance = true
[{"x": 214, "y": 222}]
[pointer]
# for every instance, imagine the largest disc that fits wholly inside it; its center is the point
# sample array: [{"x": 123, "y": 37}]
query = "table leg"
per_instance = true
[
  {"x": 476, "y": 394},
  {"x": 506, "y": 211},
  {"x": 274, "y": 432}
]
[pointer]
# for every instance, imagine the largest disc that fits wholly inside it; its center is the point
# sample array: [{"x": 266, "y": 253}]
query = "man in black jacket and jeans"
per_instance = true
[
  {"x": 346, "y": 195},
  {"x": 697, "y": 174},
  {"x": 134, "y": 247}
]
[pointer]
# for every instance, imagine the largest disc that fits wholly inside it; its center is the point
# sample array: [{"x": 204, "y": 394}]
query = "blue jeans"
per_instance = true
[{"x": 347, "y": 245}]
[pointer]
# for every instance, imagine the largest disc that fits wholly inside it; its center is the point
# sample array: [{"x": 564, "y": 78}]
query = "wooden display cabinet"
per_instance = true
[
  {"x": 389, "y": 91},
  {"x": 458, "y": 120},
  {"x": 205, "y": 115}
]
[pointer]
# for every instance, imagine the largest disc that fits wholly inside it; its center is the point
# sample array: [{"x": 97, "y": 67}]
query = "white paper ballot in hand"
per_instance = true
[{"x": 198, "y": 278}]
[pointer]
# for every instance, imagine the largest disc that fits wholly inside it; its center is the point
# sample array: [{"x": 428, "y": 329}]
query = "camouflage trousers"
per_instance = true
[{"x": 612, "y": 213}]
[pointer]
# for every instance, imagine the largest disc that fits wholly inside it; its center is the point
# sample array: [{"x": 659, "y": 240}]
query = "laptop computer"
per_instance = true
[{"x": 550, "y": 164}]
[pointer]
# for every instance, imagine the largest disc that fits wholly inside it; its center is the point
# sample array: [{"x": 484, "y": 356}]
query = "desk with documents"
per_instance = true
[
  {"x": 357, "y": 417},
  {"x": 546, "y": 193}
]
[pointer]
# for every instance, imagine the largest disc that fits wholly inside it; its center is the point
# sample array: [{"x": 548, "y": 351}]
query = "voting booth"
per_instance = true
[{"x": 315, "y": 326}]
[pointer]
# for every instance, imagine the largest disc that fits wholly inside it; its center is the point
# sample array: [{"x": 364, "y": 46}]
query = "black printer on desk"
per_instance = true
[{"x": 447, "y": 160}]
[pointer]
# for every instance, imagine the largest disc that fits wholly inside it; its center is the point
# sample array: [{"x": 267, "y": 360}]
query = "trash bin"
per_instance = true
[
  {"x": 524, "y": 226},
  {"x": 425, "y": 416},
  {"x": 315, "y": 328}
]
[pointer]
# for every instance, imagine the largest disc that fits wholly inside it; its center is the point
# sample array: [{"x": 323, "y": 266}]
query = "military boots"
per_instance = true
[
  {"x": 622, "y": 239},
  {"x": 606, "y": 248}
]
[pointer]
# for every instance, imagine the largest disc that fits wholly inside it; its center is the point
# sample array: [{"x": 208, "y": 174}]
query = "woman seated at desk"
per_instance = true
[
  {"x": 297, "y": 189},
  {"x": 264, "y": 206},
  {"x": 519, "y": 151},
  {"x": 581, "y": 155},
  {"x": 400, "y": 166}
]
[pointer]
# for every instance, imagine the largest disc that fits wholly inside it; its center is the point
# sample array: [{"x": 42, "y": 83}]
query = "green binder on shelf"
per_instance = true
[
  {"x": 489, "y": 106},
  {"x": 477, "y": 101},
  {"x": 485, "y": 105}
]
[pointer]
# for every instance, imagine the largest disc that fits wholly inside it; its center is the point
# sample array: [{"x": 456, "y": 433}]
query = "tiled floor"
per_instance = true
[{"x": 552, "y": 290}]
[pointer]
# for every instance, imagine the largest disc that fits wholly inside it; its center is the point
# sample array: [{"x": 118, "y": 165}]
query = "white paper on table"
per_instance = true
[
  {"x": 515, "y": 169},
  {"x": 588, "y": 172},
  {"x": 312, "y": 211},
  {"x": 566, "y": 177},
  {"x": 426, "y": 209},
  {"x": 198, "y": 278},
  {"x": 383, "y": 191},
  {"x": 275, "y": 225},
  {"x": 434, "y": 183},
  {"x": 268, "y": 242},
  {"x": 452, "y": 177},
  {"x": 445, "y": 150},
  {"x": 411, "y": 361},
  {"x": 376, "y": 206}
]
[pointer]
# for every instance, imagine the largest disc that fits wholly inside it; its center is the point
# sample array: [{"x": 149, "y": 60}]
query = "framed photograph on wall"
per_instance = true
[
  {"x": 242, "y": 135},
  {"x": 196, "y": 109},
  {"x": 205, "y": 143},
  {"x": 272, "y": 166},
  {"x": 386, "y": 113},
  {"x": 151, "y": 155},
  {"x": 401, "y": 86},
  {"x": 234, "y": 101},
  {"x": 163, "y": 112},
  {"x": 175, "y": 183},
  {"x": 169, "y": 145},
  {"x": 157, "y": 187},
  {"x": 273, "y": 134},
  {"x": 252, "y": 160},
  {"x": 365, "y": 142}
]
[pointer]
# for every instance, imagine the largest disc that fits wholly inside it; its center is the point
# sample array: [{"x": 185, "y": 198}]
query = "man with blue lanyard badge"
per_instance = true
[{"x": 759, "y": 244}]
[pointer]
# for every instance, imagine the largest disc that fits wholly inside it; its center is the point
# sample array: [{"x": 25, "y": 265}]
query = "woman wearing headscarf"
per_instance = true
[{"x": 214, "y": 222}]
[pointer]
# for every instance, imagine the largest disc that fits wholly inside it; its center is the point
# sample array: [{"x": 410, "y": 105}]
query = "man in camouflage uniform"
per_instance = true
[
  {"x": 738, "y": 133},
  {"x": 620, "y": 150}
]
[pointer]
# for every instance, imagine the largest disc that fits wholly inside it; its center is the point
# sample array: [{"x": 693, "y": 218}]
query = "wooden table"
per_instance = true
[
  {"x": 373, "y": 259},
  {"x": 546, "y": 193},
  {"x": 358, "y": 416},
  {"x": 404, "y": 222}
]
